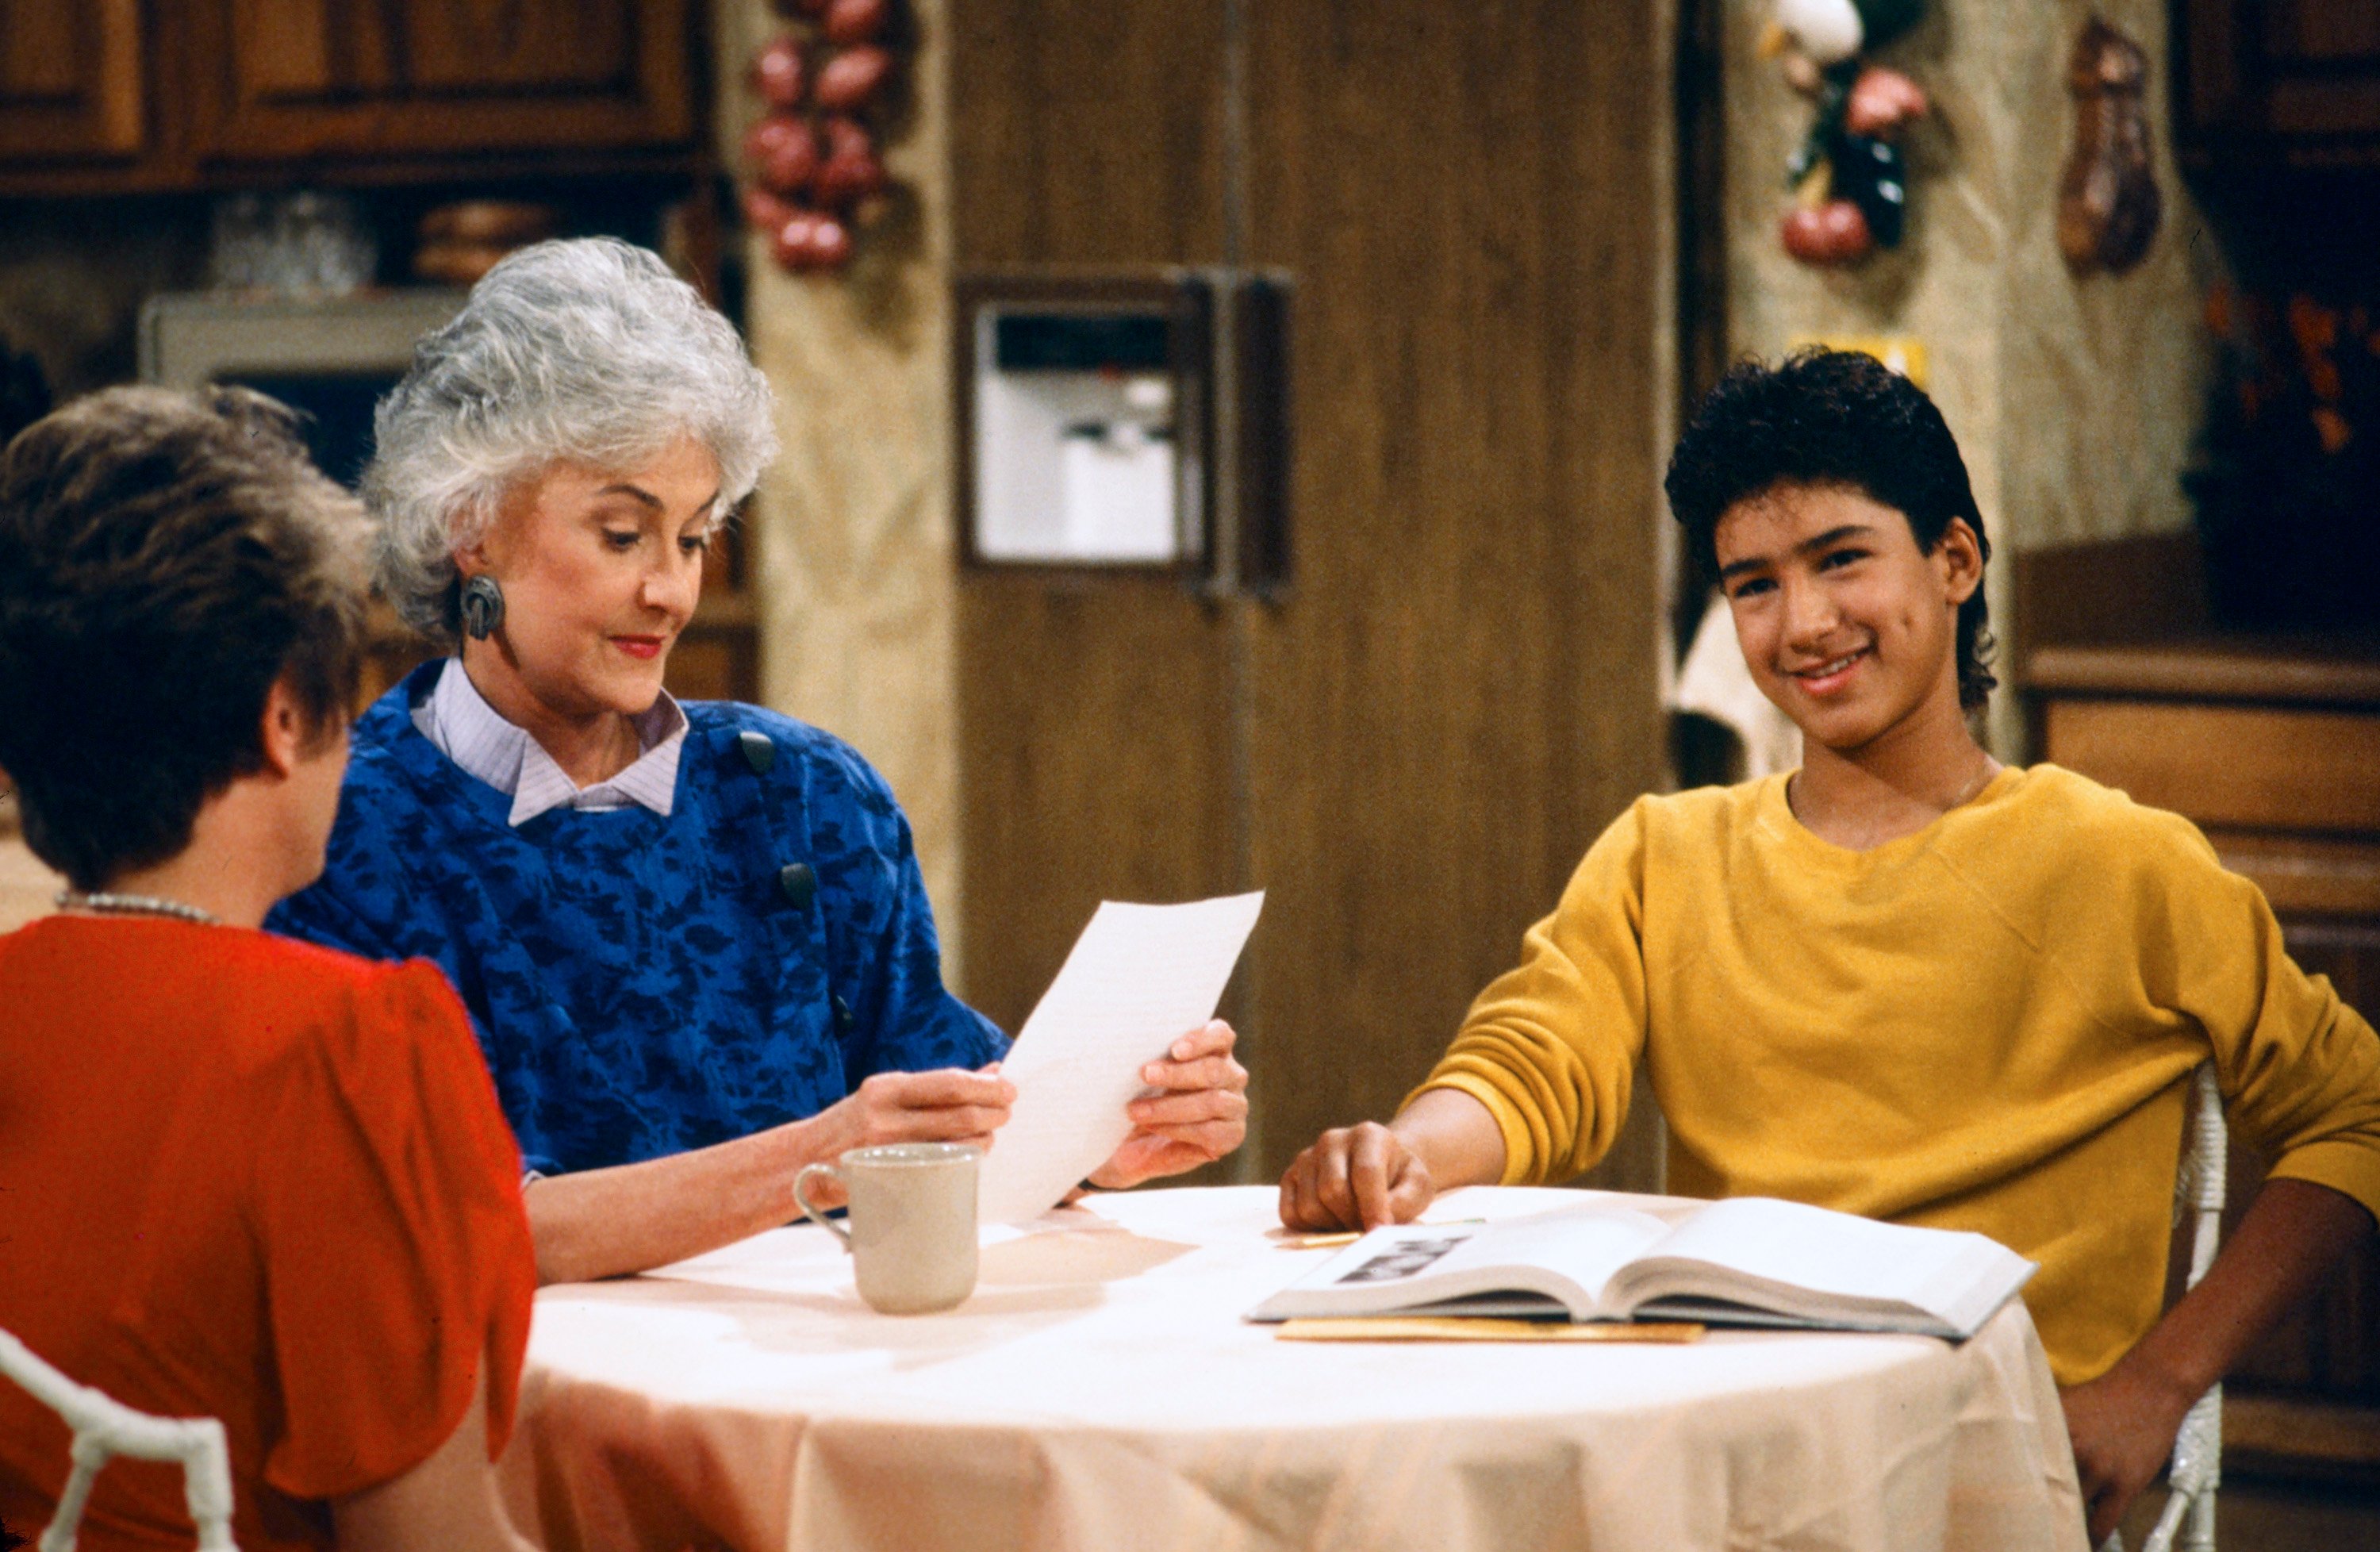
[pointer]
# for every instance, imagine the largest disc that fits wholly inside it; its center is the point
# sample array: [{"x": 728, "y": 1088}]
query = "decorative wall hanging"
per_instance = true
[
  {"x": 2107, "y": 201},
  {"x": 1849, "y": 181},
  {"x": 816, "y": 179}
]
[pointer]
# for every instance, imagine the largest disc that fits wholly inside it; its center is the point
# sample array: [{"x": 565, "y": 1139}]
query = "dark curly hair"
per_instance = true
[
  {"x": 1832, "y": 417},
  {"x": 164, "y": 558}
]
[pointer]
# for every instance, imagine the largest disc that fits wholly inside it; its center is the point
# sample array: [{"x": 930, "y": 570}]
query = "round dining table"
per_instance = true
[{"x": 1100, "y": 1391}]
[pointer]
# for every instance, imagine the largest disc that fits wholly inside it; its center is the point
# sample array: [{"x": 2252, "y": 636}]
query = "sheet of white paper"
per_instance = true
[{"x": 1139, "y": 977}]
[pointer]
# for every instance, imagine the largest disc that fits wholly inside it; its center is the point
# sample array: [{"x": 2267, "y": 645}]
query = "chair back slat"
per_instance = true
[
  {"x": 2197, "y": 1466},
  {"x": 104, "y": 1428}
]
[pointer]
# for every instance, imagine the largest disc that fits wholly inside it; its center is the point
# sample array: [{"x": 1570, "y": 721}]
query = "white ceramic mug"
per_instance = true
[{"x": 911, "y": 1212}]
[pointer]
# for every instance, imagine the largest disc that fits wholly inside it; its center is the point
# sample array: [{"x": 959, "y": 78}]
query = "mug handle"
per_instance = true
[{"x": 837, "y": 1230}]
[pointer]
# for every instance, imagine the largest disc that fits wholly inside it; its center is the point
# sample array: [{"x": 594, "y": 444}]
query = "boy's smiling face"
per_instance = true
[{"x": 1846, "y": 624}]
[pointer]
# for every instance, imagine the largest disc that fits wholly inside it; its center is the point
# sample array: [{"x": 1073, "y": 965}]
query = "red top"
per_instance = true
[{"x": 248, "y": 1179}]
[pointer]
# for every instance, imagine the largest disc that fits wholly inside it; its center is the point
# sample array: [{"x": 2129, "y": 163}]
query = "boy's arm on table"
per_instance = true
[
  {"x": 2123, "y": 1423},
  {"x": 1366, "y": 1175},
  {"x": 1535, "y": 1086}
]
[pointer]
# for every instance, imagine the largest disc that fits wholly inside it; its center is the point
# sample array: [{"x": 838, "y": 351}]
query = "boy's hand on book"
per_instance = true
[
  {"x": 2122, "y": 1426},
  {"x": 1354, "y": 1177}
]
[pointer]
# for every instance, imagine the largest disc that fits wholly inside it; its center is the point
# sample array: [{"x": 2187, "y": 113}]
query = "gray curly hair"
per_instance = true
[{"x": 584, "y": 350}]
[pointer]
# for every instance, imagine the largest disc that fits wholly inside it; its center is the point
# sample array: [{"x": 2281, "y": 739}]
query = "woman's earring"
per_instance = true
[{"x": 483, "y": 607}]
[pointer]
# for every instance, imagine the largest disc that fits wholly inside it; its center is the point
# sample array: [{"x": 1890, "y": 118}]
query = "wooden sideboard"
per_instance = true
[{"x": 2272, "y": 748}]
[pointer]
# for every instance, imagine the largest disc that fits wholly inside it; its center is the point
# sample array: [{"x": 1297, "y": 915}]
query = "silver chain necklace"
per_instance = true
[{"x": 111, "y": 903}]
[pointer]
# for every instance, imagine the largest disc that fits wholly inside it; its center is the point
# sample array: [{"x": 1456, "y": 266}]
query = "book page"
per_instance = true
[
  {"x": 1585, "y": 1246},
  {"x": 1138, "y": 978},
  {"x": 1567, "y": 1255},
  {"x": 1851, "y": 1262}
]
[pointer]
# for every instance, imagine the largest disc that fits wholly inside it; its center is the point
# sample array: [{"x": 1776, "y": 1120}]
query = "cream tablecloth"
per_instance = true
[{"x": 1100, "y": 1391}]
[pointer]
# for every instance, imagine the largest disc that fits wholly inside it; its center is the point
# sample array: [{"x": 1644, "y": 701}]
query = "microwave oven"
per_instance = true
[{"x": 330, "y": 358}]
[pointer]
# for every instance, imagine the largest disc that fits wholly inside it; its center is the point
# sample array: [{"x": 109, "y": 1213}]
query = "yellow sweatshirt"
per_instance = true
[{"x": 1988, "y": 1025}]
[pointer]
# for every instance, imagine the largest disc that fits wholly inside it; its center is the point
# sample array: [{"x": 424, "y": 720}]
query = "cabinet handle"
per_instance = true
[
  {"x": 1260, "y": 456},
  {"x": 1199, "y": 525}
]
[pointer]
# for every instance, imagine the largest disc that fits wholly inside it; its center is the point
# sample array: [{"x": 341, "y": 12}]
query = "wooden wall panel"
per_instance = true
[
  {"x": 1094, "y": 721},
  {"x": 1096, "y": 759},
  {"x": 1086, "y": 132},
  {"x": 1459, "y": 693}
]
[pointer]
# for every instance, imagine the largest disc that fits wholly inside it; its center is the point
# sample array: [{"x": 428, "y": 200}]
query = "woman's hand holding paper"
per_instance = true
[
  {"x": 949, "y": 1105},
  {"x": 945, "y": 1106},
  {"x": 1200, "y": 1114}
]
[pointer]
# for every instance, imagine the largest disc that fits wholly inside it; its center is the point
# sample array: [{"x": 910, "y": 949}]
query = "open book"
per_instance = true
[{"x": 1747, "y": 1261}]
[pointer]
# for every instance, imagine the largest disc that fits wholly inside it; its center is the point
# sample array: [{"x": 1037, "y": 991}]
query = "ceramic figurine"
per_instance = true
[
  {"x": 2107, "y": 201},
  {"x": 1849, "y": 178}
]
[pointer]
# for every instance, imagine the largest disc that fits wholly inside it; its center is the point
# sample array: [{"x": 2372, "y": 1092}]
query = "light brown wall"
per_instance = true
[
  {"x": 2075, "y": 401},
  {"x": 851, "y": 528}
]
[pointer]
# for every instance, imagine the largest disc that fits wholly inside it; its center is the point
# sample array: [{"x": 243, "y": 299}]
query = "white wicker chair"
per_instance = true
[
  {"x": 104, "y": 1428},
  {"x": 2188, "y": 1520}
]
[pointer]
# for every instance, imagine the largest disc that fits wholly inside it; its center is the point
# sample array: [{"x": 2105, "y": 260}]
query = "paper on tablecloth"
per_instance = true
[{"x": 1138, "y": 978}]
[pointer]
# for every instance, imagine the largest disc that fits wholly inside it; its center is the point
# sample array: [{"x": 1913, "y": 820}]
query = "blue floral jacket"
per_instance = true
[{"x": 642, "y": 985}]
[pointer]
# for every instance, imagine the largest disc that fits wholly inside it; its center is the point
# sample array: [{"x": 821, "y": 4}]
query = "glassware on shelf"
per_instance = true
[{"x": 308, "y": 242}]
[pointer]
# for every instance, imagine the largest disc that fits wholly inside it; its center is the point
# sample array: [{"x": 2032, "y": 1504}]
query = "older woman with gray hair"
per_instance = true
[{"x": 693, "y": 938}]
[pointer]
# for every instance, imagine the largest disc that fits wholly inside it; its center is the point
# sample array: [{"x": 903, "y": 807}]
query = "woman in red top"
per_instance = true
[{"x": 240, "y": 1177}]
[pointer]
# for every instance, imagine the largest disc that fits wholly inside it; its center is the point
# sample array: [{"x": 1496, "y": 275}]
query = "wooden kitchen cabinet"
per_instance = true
[
  {"x": 293, "y": 79},
  {"x": 2294, "y": 81},
  {"x": 120, "y": 95},
  {"x": 71, "y": 80}
]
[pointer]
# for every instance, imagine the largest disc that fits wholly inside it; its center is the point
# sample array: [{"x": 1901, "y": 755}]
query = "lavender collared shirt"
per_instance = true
[{"x": 472, "y": 734}]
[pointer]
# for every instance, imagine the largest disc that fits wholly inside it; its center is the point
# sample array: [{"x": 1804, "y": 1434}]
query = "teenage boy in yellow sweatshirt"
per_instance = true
[{"x": 1907, "y": 981}]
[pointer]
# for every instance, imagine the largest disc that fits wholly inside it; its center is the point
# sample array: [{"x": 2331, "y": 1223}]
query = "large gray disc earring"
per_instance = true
[{"x": 483, "y": 607}]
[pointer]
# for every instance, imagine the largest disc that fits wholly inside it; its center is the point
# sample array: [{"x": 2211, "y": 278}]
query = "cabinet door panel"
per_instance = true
[
  {"x": 2303, "y": 74},
  {"x": 70, "y": 80},
  {"x": 2322, "y": 31},
  {"x": 287, "y": 50},
  {"x": 460, "y": 45},
  {"x": 303, "y": 77}
]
